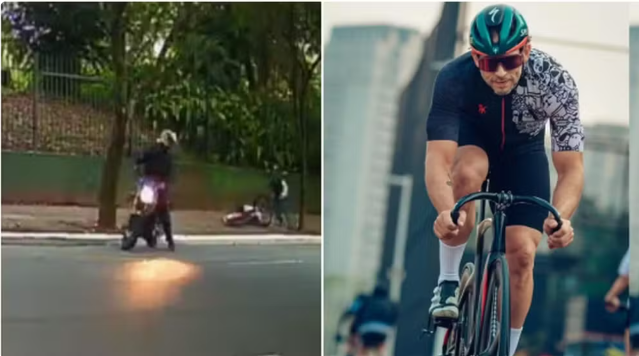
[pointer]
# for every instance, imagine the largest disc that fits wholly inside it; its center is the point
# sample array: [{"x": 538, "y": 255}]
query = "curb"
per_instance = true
[{"x": 104, "y": 239}]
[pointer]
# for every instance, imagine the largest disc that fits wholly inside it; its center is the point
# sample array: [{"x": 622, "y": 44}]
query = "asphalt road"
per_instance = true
[{"x": 245, "y": 300}]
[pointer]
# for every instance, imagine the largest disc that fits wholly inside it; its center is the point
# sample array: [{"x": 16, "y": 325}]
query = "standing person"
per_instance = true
[
  {"x": 279, "y": 192},
  {"x": 489, "y": 111}
]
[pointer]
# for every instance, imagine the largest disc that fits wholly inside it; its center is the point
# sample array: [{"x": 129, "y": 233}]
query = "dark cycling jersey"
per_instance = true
[
  {"x": 374, "y": 315},
  {"x": 545, "y": 92}
]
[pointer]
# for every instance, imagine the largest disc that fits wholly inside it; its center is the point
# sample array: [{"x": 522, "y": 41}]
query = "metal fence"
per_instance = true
[{"x": 60, "y": 104}]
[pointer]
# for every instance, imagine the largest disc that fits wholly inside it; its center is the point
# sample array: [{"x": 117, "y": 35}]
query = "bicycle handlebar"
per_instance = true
[
  {"x": 506, "y": 198},
  {"x": 621, "y": 307}
]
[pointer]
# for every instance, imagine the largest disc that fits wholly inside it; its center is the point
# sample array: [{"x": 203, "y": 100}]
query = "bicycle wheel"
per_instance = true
[
  {"x": 458, "y": 338},
  {"x": 264, "y": 204},
  {"x": 494, "y": 338}
]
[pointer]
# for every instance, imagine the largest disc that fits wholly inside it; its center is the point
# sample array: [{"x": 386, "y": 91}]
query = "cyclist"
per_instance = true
[
  {"x": 374, "y": 317},
  {"x": 619, "y": 286},
  {"x": 633, "y": 321},
  {"x": 488, "y": 116},
  {"x": 157, "y": 165}
]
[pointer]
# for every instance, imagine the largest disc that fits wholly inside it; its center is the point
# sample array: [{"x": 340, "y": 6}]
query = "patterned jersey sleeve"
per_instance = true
[
  {"x": 562, "y": 105},
  {"x": 445, "y": 111},
  {"x": 624, "y": 266}
]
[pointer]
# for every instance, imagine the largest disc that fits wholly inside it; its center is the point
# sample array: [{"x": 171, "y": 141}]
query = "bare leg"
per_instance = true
[{"x": 521, "y": 245}]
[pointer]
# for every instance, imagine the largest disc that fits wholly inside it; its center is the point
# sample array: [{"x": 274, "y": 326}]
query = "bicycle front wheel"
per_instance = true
[
  {"x": 458, "y": 338},
  {"x": 494, "y": 336}
]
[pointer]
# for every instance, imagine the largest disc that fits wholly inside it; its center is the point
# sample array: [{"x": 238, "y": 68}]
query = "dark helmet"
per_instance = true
[
  {"x": 381, "y": 289},
  {"x": 509, "y": 24}
]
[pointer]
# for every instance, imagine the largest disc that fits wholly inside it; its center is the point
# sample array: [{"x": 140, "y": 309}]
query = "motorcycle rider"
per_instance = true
[{"x": 157, "y": 164}]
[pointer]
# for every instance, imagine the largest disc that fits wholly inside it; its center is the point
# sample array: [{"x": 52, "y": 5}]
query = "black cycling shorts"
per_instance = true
[
  {"x": 633, "y": 321},
  {"x": 373, "y": 340},
  {"x": 521, "y": 170}
]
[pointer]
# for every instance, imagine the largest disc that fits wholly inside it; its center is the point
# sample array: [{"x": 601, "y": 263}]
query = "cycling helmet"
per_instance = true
[
  {"x": 509, "y": 24},
  {"x": 168, "y": 138},
  {"x": 381, "y": 290}
]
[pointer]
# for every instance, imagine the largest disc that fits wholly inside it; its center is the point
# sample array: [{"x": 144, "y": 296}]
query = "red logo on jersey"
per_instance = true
[{"x": 482, "y": 109}]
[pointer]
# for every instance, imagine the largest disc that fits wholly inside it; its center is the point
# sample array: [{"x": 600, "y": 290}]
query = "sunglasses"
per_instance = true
[{"x": 510, "y": 62}]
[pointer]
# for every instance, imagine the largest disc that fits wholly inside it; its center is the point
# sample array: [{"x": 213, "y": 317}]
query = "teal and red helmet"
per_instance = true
[{"x": 509, "y": 24}]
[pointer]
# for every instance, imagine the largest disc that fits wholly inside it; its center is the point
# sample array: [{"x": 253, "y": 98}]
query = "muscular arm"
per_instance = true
[
  {"x": 439, "y": 161},
  {"x": 622, "y": 282},
  {"x": 570, "y": 182},
  {"x": 442, "y": 129},
  {"x": 620, "y": 285},
  {"x": 144, "y": 156},
  {"x": 567, "y": 143}
]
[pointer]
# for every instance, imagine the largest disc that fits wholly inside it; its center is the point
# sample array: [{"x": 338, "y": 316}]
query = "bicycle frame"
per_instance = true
[
  {"x": 482, "y": 228},
  {"x": 483, "y": 264},
  {"x": 498, "y": 247}
]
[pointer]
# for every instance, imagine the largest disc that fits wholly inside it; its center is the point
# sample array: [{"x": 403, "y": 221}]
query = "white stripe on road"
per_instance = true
[
  {"x": 181, "y": 238},
  {"x": 263, "y": 263}
]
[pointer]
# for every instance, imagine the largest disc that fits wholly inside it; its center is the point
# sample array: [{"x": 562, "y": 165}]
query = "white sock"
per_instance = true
[
  {"x": 449, "y": 260},
  {"x": 514, "y": 340}
]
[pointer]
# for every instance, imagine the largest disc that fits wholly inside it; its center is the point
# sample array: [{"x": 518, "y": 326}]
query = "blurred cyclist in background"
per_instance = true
[
  {"x": 374, "y": 318},
  {"x": 633, "y": 323},
  {"x": 618, "y": 287}
]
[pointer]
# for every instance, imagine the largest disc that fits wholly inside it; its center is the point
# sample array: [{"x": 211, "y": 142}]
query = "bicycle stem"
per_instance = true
[{"x": 499, "y": 233}]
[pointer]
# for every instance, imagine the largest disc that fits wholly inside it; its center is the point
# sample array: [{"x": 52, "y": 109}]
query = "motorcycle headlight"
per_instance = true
[{"x": 147, "y": 195}]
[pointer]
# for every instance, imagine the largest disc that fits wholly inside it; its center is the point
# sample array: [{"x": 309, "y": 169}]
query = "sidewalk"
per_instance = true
[{"x": 41, "y": 218}]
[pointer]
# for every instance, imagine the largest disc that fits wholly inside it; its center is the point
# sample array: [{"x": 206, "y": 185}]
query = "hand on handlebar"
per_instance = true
[
  {"x": 445, "y": 228},
  {"x": 560, "y": 238},
  {"x": 612, "y": 303}
]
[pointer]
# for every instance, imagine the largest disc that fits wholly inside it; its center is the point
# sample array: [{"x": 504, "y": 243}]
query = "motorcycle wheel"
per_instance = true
[
  {"x": 155, "y": 236},
  {"x": 152, "y": 241},
  {"x": 128, "y": 240}
]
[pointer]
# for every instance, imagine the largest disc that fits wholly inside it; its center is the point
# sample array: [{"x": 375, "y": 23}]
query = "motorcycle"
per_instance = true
[
  {"x": 143, "y": 222},
  {"x": 258, "y": 214}
]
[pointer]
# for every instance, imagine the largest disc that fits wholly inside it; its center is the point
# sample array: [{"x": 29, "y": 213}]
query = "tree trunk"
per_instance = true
[
  {"x": 303, "y": 112},
  {"x": 303, "y": 129},
  {"x": 111, "y": 168}
]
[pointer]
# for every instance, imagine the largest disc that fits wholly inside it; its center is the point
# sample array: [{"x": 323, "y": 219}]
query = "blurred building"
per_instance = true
[
  {"x": 634, "y": 152},
  {"x": 605, "y": 160},
  {"x": 365, "y": 70}
]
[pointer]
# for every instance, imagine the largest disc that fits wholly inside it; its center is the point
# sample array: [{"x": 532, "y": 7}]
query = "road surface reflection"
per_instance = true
[{"x": 153, "y": 283}]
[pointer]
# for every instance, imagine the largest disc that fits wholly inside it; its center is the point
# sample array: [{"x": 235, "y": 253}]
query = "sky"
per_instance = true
[{"x": 601, "y": 73}]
